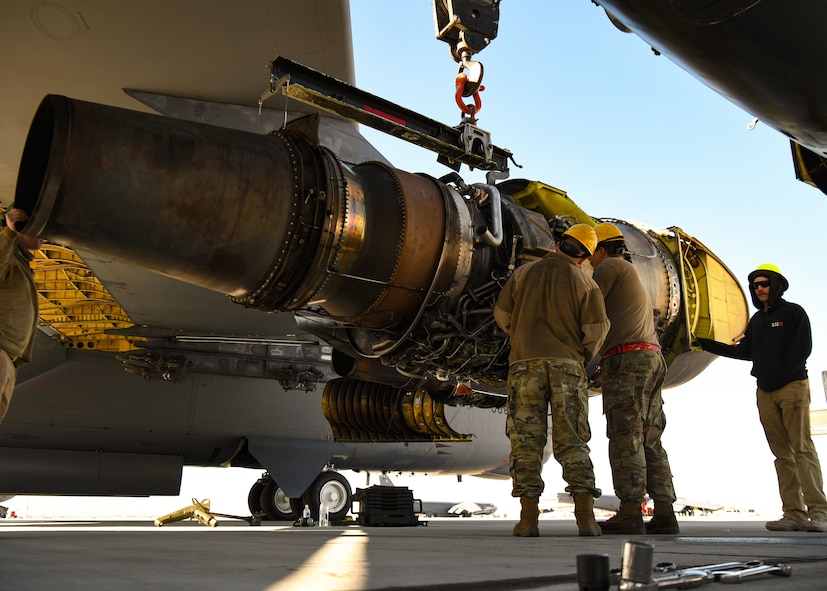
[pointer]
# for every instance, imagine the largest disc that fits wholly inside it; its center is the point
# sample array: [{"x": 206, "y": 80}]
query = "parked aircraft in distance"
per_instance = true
[
  {"x": 681, "y": 505},
  {"x": 357, "y": 333},
  {"x": 444, "y": 508},
  {"x": 461, "y": 509}
]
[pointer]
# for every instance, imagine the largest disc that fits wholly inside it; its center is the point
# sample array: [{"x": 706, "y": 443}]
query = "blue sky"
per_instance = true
[{"x": 629, "y": 135}]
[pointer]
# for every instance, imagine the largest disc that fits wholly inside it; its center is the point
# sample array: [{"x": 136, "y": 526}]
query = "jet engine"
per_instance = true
[{"x": 398, "y": 272}]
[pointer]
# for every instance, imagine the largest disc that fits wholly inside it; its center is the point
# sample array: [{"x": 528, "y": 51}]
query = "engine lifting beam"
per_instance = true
[{"x": 463, "y": 144}]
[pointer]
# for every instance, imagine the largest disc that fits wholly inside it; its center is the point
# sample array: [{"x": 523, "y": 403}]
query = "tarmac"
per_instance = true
[{"x": 439, "y": 554}]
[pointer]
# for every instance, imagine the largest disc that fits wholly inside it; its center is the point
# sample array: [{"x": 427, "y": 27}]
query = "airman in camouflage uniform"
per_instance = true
[
  {"x": 555, "y": 316},
  {"x": 631, "y": 376}
]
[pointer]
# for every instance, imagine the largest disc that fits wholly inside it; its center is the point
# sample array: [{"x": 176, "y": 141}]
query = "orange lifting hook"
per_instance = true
[{"x": 471, "y": 110}]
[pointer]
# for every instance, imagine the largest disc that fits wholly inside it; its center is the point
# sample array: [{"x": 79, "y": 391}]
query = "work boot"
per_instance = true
[
  {"x": 663, "y": 519},
  {"x": 786, "y": 524},
  {"x": 528, "y": 526},
  {"x": 817, "y": 523},
  {"x": 584, "y": 515},
  {"x": 627, "y": 520}
]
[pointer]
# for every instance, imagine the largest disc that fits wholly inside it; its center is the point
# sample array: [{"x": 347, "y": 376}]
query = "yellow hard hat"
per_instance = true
[
  {"x": 606, "y": 231},
  {"x": 585, "y": 235},
  {"x": 768, "y": 267},
  {"x": 765, "y": 270}
]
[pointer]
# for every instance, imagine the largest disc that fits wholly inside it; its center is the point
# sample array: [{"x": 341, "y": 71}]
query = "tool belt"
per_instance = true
[{"x": 628, "y": 347}]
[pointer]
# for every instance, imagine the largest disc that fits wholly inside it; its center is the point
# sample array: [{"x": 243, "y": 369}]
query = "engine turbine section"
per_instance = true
[{"x": 367, "y": 411}]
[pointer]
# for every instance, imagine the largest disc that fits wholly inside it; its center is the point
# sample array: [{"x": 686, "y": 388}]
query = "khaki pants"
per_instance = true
[
  {"x": 785, "y": 416},
  {"x": 8, "y": 376}
]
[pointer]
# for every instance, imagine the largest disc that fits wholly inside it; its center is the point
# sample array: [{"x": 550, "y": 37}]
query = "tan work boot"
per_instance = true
[
  {"x": 663, "y": 519},
  {"x": 627, "y": 520},
  {"x": 528, "y": 526},
  {"x": 584, "y": 515}
]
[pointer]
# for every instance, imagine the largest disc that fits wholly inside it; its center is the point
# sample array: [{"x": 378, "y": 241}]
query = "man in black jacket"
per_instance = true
[{"x": 778, "y": 341}]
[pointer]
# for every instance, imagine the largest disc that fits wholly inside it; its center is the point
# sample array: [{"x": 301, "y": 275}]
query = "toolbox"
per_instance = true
[{"x": 385, "y": 506}]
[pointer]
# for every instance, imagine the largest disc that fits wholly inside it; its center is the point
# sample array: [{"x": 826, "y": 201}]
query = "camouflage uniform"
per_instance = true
[
  {"x": 633, "y": 405},
  {"x": 563, "y": 384},
  {"x": 556, "y": 319}
]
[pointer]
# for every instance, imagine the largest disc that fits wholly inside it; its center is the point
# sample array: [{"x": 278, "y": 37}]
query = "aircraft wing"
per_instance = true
[
  {"x": 765, "y": 57},
  {"x": 217, "y": 51}
]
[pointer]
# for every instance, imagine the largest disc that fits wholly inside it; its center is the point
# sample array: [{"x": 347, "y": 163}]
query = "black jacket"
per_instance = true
[{"x": 778, "y": 342}]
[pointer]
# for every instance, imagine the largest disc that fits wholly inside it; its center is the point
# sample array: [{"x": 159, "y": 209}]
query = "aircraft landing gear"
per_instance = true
[
  {"x": 267, "y": 497},
  {"x": 330, "y": 487}
]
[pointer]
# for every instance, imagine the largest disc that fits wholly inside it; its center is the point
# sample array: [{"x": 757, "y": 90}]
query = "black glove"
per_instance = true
[{"x": 705, "y": 344}]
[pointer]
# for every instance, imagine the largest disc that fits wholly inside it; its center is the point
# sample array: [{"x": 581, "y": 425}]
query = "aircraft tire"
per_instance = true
[
  {"x": 276, "y": 505},
  {"x": 254, "y": 497},
  {"x": 334, "y": 489}
]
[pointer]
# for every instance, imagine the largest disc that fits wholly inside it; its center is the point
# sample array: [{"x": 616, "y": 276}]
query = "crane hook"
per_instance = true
[{"x": 471, "y": 110}]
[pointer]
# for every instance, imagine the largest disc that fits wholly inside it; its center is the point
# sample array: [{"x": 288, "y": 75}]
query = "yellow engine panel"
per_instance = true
[
  {"x": 551, "y": 201},
  {"x": 74, "y": 303},
  {"x": 713, "y": 305}
]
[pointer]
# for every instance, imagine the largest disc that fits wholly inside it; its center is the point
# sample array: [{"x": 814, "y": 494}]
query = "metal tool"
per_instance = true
[
  {"x": 636, "y": 567},
  {"x": 780, "y": 569},
  {"x": 593, "y": 572},
  {"x": 200, "y": 511},
  {"x": 667, "y": 576},
  {"x": 693, "y": 576}
]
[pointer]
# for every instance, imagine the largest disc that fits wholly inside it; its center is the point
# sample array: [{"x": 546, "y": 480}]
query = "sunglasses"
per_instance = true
[{"x": 758, "y": 284}]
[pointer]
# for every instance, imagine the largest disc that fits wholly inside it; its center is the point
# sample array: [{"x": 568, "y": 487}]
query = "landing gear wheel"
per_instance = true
[
  {"x": 334, "y": 490},
  {"x": 275, "y": 504},
  {"x": 254, "y": 497}
]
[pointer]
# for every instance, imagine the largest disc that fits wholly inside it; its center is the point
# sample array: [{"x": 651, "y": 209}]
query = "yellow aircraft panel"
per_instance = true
[{"x": 75, "y": 305}]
